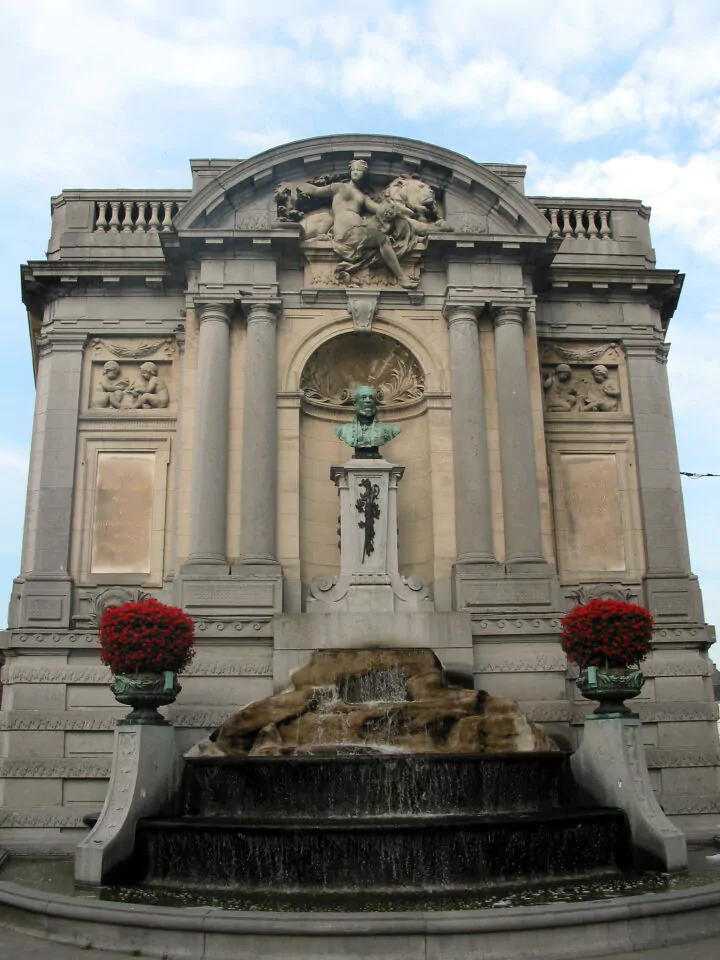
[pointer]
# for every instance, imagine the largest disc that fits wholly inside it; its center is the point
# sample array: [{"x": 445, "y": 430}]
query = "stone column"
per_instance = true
[
  {"x": 658, "y": 469},
  {"x": 44, "y": 585},
  {"x": 259, "y": 447},
  {"x": 521, "y": 504},
  {"x": 671, "y": 590},
  {"x": 473, "y": 521},
  {"x": 210, "y": 444}
]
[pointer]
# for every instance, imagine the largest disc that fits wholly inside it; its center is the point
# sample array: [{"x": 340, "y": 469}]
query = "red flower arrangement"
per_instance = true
[
  {"x": 607, "y": 633},
  {"x": 147, "y": 636}
]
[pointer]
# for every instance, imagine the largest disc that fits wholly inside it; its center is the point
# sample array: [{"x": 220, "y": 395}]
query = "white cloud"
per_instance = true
[
  {"x": 580, "y": 69},
  {"x": 684, "y": 196}
]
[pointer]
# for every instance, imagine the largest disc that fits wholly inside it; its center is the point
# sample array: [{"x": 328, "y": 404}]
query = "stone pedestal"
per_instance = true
[
  {"x": 369, "y": 579},
  {"x": 145, "y": 775},
  {"x": 611, "y": 768}
]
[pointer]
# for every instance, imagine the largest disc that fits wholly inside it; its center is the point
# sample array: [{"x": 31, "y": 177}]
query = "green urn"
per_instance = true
[
  {"x": 611, "y": 686},
  {"x": 145, "y": 692}
]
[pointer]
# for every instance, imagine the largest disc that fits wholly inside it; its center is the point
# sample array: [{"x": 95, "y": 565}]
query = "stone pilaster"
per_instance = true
[
  {"x": 42, "y": 593},
  {"x": 210, "y": 447},
  {"x": 523, "y": 543},
  {"x": 473, "y": 520},
  {"x": 259, "y": 449},
  {"x": 671, "y": 590}
]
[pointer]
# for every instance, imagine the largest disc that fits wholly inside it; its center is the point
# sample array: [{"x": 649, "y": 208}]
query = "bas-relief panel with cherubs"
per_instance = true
[
  {"x": 130, "y": 376},
  {"x": 583, "y": 379}
]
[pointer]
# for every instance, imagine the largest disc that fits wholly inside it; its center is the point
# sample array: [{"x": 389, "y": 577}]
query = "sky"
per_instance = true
[{"x": 619, "y": 98}]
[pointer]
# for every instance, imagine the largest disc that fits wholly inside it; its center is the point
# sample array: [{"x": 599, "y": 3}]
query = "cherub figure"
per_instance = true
[
  {"x": 560, "y": 396},
  {"x": 111, "y": 387},
  {"x": 153, "y": 393},
  {"x": 603, "y": 395}
]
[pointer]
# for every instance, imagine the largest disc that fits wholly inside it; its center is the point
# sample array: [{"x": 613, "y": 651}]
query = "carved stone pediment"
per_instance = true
[
  {"x": 344, "y": 363},
  {"x": 362, "y": 209}
]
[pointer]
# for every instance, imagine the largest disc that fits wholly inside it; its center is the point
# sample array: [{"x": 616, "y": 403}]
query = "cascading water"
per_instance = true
[{"x": 321, "y": 791}]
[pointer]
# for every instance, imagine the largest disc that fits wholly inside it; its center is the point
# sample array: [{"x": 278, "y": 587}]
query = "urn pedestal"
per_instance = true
[{"x": 369, "y": 580}]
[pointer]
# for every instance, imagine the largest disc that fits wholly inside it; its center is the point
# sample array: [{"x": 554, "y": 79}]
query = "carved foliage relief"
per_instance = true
[
  {"x": 344, "y": 363},
  {"x": 581, "y": 379},
  {"x": 130, "y": 376}
]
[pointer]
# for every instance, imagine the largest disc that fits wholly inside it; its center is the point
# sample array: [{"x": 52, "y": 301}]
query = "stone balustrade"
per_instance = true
[
  {"x": 135, "y": 216},
  {"x": 579, "y": 223}
]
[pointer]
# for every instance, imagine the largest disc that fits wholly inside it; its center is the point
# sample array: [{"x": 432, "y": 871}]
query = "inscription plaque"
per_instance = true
[
  {"x": 590, "y": 527},
  {"x": 492, "y": 593},
  {"x": 122, "y": 518},
  {"x": 235, "y": 593}
]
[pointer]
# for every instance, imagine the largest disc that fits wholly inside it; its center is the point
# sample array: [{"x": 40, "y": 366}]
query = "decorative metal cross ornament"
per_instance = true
[{"x": 367, "y": 506}]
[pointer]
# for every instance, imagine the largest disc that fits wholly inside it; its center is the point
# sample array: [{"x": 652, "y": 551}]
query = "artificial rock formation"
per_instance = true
[{"x": 377, "y": 701}]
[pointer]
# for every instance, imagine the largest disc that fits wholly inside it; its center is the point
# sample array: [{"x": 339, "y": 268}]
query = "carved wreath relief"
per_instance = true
[
  {"x": 354, "y": 234},
  {"x": 339, "y": 366},
  {"x": 577, "y": 384}
]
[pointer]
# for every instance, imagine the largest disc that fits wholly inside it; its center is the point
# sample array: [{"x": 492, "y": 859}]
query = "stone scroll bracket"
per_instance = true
[
  {"x": 144, "y": 778},
  {"x": 610, "y": 766}
]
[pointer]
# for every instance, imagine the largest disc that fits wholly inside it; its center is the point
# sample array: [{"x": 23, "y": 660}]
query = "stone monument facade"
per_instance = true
[{"x": 195, "y": 352}]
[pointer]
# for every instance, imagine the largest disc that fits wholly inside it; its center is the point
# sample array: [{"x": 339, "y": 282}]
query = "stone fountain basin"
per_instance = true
[
  {"x": 377, "y": 822},
  {"x": 354, "y": 785}
]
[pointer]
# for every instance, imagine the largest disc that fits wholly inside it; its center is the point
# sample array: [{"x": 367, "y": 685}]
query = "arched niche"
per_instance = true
[{"x": 328, "y": 381}]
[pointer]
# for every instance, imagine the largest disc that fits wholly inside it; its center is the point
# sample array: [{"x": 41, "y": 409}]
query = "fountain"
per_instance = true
[{"x": 374, "y": 774}]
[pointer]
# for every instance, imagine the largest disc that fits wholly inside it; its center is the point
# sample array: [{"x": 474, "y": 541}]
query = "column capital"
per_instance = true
[
  {"x": 455, "y": 310},
  {"x": 267, "y": 311},
  {"x": 219, "y": 311},
  {"x": 52, "y": 341},
  {"x": 650, "y": 349},
  {"x": 508, "y": 313}
]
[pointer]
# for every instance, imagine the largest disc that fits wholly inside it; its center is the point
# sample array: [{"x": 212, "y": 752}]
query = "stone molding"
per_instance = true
[
  {"x": 121, "y": 421},
  {"x": 543, "y": 663},
  {"x": 199, "y": 717},
  {"x": 66, "y": 817},
  {"x": 678, "y": 804},
  {"x": 652, "y": 712},
  {"x": 662, "y": 758},
  {"x": 205, "y": 625},
  {"x": 75, "y": 720},
  {"x": 58, "y": 640},
  {"x": 692, "y": 668},
  {"x": 96, "y": 768},
  {"x": 240, "y": 667},
  {"x": 547, "y": 711},
  {"x": 517, "y": 624}
]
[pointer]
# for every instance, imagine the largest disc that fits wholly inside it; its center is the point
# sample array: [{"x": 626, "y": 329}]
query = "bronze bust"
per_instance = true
[{"x": 366, "y": 434}]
